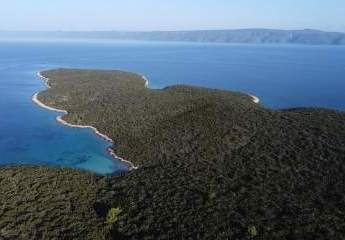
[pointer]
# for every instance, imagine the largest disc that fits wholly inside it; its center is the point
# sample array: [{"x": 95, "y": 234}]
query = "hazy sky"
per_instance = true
[{"x": 171, "y": 15}]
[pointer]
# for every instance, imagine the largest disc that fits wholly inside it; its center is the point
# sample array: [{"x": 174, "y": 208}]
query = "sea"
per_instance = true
[{"x": 282, "y": 76}]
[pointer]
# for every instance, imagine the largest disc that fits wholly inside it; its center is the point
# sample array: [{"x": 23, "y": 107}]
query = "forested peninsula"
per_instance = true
[{"x": 212, "y": 164}]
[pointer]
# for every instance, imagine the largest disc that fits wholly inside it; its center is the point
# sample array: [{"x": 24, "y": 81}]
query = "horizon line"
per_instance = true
[{"x": 191, "y": 30}]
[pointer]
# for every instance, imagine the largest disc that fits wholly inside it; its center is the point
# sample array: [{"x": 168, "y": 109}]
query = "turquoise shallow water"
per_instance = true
[{"x": 282, "y": 76}]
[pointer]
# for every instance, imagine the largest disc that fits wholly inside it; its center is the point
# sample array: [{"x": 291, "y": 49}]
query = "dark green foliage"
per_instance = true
[
  {"x": 43, "y": 203},
  {"x": 213, "y": 165}
]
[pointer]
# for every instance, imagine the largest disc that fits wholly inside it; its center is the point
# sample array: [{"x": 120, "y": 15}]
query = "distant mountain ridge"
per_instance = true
[{"x": 255, "y": 36}]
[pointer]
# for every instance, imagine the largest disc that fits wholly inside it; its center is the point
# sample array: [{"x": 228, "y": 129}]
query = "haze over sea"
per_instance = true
[{"x": 282, "y": 76}]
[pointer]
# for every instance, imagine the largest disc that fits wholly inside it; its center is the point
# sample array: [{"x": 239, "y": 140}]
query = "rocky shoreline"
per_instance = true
[{"x": 95, "y": 130}]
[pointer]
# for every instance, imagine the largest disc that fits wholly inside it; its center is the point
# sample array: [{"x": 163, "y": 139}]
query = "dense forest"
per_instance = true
[{"x": 212, "y": 165}]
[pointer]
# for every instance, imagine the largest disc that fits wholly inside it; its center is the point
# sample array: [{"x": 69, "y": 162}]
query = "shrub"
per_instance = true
[
  {"x": 112, "y": 215},
  {"x": 252, "y": 232}
]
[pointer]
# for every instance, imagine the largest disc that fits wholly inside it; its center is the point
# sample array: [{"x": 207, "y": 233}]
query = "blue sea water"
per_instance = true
[{"x": 282, "y": 76}]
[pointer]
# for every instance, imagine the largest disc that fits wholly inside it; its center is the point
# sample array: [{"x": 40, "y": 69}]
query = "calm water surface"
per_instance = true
[{"x": 282, "y": 76}]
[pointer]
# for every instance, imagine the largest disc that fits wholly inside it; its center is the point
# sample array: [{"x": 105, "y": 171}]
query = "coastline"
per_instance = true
[
  {"x": 109, "y": 149},
  {"x": 59, "y": 119},
  {"x": 255, "y": 99},
  {"x": 146, "y": 81},
  {"x": 42, "y": 105}
]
